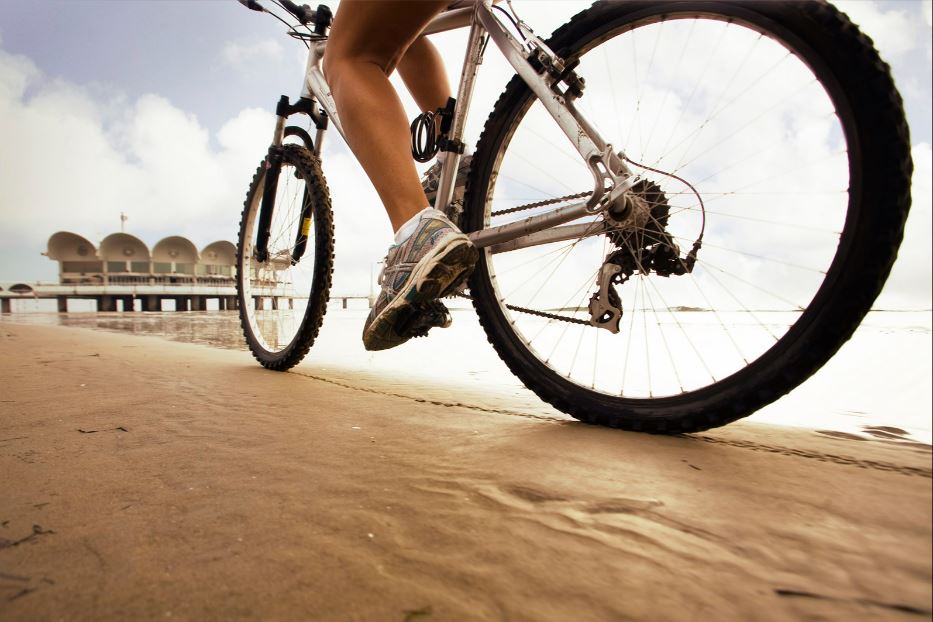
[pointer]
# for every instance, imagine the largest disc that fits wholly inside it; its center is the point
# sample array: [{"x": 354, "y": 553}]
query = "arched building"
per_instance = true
[
  {"x": 123, "y": 259},
  {"x": 218, "y": 262},
  {"x": 77, "y": 258},
  {"x": 174, "y": 259},
  {"x": 126, "y": 259}
]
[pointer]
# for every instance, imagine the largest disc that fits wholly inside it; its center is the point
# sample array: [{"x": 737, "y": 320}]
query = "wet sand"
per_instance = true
[{"x": 149, "y": 479}]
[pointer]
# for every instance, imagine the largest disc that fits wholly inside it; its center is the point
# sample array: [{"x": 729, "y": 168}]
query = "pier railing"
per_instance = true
[{"x": 123, "y": 296}]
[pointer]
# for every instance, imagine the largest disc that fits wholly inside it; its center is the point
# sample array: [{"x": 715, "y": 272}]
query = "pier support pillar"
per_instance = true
[
  {"x": 5, "y": 305},
  {"x": 275, "y": 303},
  {"x": 344, "y": 300},
  {"x": 257, "y": 301},
  {"x": 106, "y": 304},
  {"x": 291, "y": 304},
  {"x": 62, "y": 304},
  {"x": 128, "y": 303},
  {"x": 181, "y": 303},
  {"x": 151, "y": 303},
  {"x": 231, "y": 303}
]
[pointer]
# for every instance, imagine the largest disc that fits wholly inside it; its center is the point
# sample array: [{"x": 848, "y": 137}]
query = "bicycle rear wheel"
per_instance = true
[
  {"x": 283, "y": 298},
  {"x": 787, "y": 124}
]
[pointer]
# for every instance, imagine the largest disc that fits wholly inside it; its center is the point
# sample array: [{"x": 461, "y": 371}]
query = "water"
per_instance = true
[{"x": 880, "y": 378}]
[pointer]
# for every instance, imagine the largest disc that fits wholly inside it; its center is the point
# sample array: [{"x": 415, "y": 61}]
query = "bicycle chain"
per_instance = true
[
  {"x": 544, "y": 314},
  {"x": 520, "y": 208}
]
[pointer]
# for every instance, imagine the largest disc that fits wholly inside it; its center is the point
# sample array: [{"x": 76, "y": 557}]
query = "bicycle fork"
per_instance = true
[{"x": 273, "y": 167}]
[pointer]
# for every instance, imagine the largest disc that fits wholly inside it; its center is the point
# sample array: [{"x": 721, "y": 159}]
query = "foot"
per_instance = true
[
  {"x": 430, "y": 264},
  {"x": 432, "y": 178}
]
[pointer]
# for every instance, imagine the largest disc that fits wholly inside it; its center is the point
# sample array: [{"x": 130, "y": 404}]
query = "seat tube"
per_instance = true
[{"x": 471, "y": 62}]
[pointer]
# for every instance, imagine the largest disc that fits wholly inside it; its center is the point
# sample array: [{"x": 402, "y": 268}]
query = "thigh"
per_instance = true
[{"x": 379, "y": 31}]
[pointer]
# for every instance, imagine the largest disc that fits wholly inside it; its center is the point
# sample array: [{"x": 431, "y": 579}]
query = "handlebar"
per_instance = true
[{"x": 302, "y": 13}]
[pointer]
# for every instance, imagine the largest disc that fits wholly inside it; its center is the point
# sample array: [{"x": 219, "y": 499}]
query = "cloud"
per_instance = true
[
  {"x": 16, "y": 73},
  {"x": 267, "y": 49},
  {"x": 70, "y": 161},
  {"x": 77, "y": 160},
  {"x": 894, "y": 31},
  {"x": 253, "y": 54},
  {"x": 73, "y": 162}
]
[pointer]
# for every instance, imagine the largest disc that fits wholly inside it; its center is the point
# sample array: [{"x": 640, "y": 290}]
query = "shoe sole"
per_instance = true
[{"x": 450, "y": 265}]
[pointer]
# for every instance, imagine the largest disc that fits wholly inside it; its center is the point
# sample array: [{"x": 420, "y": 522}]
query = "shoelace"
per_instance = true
[{"x": 382, "y": 272}]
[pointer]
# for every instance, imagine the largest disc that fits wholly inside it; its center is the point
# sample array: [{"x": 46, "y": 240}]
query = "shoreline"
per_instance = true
[
  {"x": 847, "y": 397},
  {"x": 147, "y": 478}
]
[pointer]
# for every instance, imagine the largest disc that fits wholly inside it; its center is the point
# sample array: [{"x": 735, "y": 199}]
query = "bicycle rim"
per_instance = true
[
  {"x": 276, "y": 293},
  {"x": 736, "y": 111}
]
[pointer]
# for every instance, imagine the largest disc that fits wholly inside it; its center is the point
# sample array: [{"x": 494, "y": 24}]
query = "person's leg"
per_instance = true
[
  {"x": 367, "y": 41},
  {"x": 423, "y": 73}
]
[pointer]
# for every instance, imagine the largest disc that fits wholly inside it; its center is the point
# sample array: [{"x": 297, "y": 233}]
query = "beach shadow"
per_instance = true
[{"x": 880, "y": 434}]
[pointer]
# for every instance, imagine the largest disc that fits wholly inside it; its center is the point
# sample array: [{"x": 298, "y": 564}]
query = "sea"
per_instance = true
[{"x": 879, "y": 384}]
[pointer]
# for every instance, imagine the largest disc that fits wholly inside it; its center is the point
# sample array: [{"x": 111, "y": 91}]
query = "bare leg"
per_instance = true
[
  {"x": 367, "y": 41},
  {"x": 422, "y": 71}
]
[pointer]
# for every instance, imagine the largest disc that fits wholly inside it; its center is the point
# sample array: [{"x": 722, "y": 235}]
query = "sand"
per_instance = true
[{"x": 147, "y": 479}]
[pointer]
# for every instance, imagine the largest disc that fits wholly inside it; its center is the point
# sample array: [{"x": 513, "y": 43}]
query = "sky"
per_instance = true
[{"x": 162, "y": 110}]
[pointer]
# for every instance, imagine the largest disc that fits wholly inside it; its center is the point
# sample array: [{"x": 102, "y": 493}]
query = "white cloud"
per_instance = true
[
  {"x": 72, "y": 162},
  {"x": 16, "y": 73},
  {"x": 251, "y": 54},
  {"x": 893, "y": 31}
]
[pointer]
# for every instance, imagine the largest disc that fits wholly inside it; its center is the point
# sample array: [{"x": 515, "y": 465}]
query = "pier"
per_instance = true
[
  {"x": 123, "y": 298},
  {"x": 122, "y": 274}
]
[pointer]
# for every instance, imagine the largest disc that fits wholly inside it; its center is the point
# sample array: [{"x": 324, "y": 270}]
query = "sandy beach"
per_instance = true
[{"x": 148, "y": 479}]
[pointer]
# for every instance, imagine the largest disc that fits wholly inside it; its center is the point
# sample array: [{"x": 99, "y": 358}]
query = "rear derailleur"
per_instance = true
[{"x": 662, "y": 257}]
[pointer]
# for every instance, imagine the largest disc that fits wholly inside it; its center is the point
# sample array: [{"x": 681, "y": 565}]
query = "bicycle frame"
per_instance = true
[{"x": 612, "y": 178}]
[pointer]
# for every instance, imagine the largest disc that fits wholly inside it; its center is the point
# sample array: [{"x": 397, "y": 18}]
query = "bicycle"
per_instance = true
[{"x": 707, "y": 260}]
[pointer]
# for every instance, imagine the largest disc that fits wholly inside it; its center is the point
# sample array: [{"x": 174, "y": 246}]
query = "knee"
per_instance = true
[{"x": 337, "y": 64}]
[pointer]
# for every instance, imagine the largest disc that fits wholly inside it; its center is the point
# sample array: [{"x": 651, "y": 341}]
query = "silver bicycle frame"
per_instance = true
[{"x": 612, "y": 178}]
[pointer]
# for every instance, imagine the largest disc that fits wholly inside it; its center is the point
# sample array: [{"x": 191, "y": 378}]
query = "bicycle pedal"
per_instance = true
[{"x": 420, "y": 318}]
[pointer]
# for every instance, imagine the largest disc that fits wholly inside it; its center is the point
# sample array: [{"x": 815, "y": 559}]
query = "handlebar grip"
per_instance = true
[
  {"x": 251, "y": 4},
  {"x": 303, "y": 13}
]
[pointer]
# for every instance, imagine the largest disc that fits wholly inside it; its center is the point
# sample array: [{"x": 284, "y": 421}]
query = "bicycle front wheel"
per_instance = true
[
  {"x": 283, "y": 295},
  {"x": 771, "y": 127}
]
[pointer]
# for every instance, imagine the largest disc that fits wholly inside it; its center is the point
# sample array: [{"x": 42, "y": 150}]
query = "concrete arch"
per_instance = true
[
  {"x": 124, "y": 254},
  {"x": 218, "y": 260},
  {"x": 175, "y": 248},
  {"x": 174, "y": 254},
  {"x": 123, "y": 247},
  {"x": 219, "y": 253},
  {"x": 68, "y": 246}
]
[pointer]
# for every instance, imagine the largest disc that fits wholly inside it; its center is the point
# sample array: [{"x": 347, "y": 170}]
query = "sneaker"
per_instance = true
[
  {"x": 432, "y": 178},
  {"x": 430, "y": 264}
]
